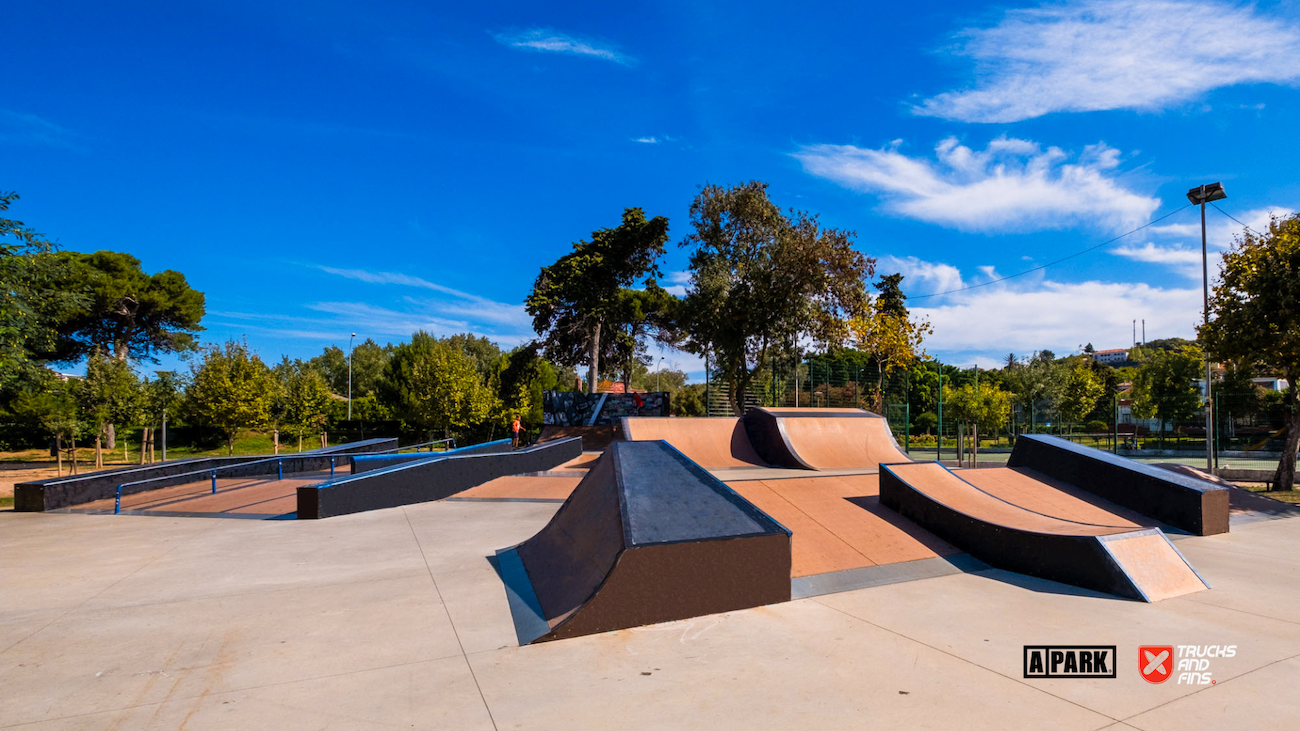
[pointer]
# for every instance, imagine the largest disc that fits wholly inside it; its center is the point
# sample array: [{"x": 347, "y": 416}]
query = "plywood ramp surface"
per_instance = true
[
  {"x": 833, "y": 443},
  {"x": 712, "y": 443},
  {"x": 839, "y": 524},
  {"x": 947, "y": 488},
  {"x": 1037, "y": 492},
  {"x": 1154, "y": 565}
]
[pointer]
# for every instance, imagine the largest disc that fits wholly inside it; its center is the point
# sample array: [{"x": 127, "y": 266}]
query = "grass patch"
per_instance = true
[
  {"x": 6, "y": 502},
  {"x": 1286, "y": 496}
]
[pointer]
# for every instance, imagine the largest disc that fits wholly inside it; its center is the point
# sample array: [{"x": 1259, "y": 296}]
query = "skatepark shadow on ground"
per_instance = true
[{"x": 1042, "y": 586}]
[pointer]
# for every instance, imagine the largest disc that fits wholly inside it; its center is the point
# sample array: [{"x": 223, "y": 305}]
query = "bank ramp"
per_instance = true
[
  {"x": 822, "y": 439},
  {"x": 1138, "y": 564},
  {"x": 647, "y": 536},
  {"x": 711, "y": 442}
]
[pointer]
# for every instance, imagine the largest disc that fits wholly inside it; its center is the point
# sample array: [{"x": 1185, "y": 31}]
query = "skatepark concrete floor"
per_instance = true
[{"x": 396, "y": 618}]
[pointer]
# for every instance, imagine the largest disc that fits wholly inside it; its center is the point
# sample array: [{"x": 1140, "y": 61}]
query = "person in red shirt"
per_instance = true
[{"x": 515, "y": 428}]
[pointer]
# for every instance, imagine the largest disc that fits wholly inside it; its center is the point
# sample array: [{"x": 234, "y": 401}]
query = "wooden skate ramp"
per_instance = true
[
  {"x": 823, "y": 439},
  {"x": 1117, "y": 559},
  {"x": 711, "y": 442},
  {"x": 646, "y": 537},
  {"x": 1196, "y": 506}
]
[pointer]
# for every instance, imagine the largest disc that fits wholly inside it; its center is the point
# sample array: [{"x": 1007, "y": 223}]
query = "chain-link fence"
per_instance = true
[{"x": 923, "y": 424}]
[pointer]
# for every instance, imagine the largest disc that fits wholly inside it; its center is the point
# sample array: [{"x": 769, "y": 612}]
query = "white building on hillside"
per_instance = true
[{"x": 1111, "y": 357}]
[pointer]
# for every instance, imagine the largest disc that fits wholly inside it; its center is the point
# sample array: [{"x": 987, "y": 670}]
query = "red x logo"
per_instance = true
[{"x": 1156, "y": 662}]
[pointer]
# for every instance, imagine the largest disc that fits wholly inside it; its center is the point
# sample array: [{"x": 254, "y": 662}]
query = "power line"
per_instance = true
[
  {"x": 1054, "y": 263},
  {"x": 1229, "y": 215}
]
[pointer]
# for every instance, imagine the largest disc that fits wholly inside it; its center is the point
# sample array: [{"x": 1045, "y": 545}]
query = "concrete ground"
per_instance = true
[{"x": 396, "y": 618}]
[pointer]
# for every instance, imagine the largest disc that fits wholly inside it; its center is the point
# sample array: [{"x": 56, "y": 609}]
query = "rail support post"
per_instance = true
[
  {"x": 214, "y": 482},
  {"x": 117, "y": 501},
  {"x": 279, "y": 469},
  {"x": 331, "y": 466}
]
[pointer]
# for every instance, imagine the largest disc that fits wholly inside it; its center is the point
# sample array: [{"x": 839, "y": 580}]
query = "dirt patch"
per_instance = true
[{"x": 11, "y": 473}]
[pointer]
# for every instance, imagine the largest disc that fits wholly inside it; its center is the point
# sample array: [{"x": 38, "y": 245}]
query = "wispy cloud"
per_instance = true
[
  {"x": 1010, "y": 185},
  {"x": 457, "y": 311},
  {"x": 1184, "y": 260},
  {"x": 646, "y": 140},
  {"x": 543, "y": 40},
  {"x": 1116, "y": 54},
  {"x": 1185, "y": 257},
  {"x": 31, "y": 129}
]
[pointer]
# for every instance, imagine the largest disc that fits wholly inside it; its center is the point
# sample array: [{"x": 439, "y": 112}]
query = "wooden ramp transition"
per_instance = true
[
  {"x": 1116, "y": 557},
  {"x": 711, "y": 442},
  {"x": 823, "y": 439}
]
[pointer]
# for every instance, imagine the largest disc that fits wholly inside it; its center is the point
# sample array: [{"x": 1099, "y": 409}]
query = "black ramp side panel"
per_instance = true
[
  {"x": 649, "y": 536},
  {"x": 1196, "y": 506},
  {"x": 764, "y": 431},
  {"x": 567, "y": 561}
]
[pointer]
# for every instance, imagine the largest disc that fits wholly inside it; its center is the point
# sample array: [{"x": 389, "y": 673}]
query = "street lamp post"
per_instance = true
[
  {"x": 354, "y": 335},
  {"x": 659, "y": 372},
  {"x": 1201, "y": 195}
]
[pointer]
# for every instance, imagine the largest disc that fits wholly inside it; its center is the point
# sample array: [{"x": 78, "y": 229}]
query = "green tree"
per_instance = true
[
  {"x": 575, "y": 300},
  {"x": 639, "y": 313},
  {"x": 54, "y": 405},
  {"x": 436, "y": 387},
  {"x": 688, "y": 401},
  {"x": 231, "y": 390},
  {"x": 1037, "y": 383},
  {"x": 1080, "y": 393},
  {"x": 521, "y": 377},
  {"x": 484, "y": 352},
  {"x": 889, "y": 335},
  {"x": 109, "y": 394},
  {"x": 303, "y": 399},
  {"x": 126, "y": 312},
  {"x": 32, "y": 301},
  {"x": 1165, "y": 386},
  {"x": 983, "y": 406},
  {"x": 1255, "y": 317},
  {"x": 368, "y": 362},
  {"x": 761, "y": 281}
]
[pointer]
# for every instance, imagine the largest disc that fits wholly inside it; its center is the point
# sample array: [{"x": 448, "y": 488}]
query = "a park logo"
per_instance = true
[
  {"x": 1156, "y": 662},
  {"x": 1070, "y": 661}
]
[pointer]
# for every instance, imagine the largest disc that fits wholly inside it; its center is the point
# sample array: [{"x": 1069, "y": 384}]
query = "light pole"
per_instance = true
[
  {"x": 1201, "y": 195},
  {"x": 659, "y": 372},
  {"x": 354, "y": 335}
]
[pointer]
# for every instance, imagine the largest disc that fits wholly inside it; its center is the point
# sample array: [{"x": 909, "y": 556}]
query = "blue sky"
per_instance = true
[{"x": 329, "y": 167}]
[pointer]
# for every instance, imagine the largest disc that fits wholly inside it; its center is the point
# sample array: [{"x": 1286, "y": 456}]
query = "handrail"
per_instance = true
[
  {"x": 416, "y": 447},
  {"x": 212, "y": 471}
]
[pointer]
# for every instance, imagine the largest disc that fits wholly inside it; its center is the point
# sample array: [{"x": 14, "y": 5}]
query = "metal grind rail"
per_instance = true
[
  {"x": 416, "y": 447},
  {"x": 212, "y": 472},
  {"x": 279, "y": 460}
]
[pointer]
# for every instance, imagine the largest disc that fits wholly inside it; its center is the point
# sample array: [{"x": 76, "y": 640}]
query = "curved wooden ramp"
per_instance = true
[
  {"x": 711, "y": 442},
  {"x": 1117, "y": 559},
  {"x": 823, "y": 439},
  {"x": 647, "y": 536}
]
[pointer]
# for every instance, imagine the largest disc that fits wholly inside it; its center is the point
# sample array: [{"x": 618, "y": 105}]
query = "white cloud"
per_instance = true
[
  {"x": 984, "y": 325},
  {"x": 646, "y": 140},
  {"x": 29, "y": 128},
  {"x": 1010, "y": 185},
  {"x": 1175, "y": 229},
  {"x": 934, "y": 277},
  {"x": 1186, "y": 261},
  {"x": 548, "y": 41},
  {"x": 1094, "y": 55},
  {"x": 677, "y": 282}
]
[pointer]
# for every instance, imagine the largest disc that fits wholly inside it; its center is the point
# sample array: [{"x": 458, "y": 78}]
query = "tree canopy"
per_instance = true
[
  {"x": 763, "y": 280},
  {"x": 125, "y": 312},
  {"x": 1255, "y": 316},
  {"x": 231, "y": 390},
  {"x": 576, "y": 298}
]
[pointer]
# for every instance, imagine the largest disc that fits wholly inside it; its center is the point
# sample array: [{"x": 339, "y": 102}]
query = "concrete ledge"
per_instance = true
[
  {"x": 1196, "y": 506},
  {"x": 61, "y": 492},
  {"x": 432, "y": 478}
]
